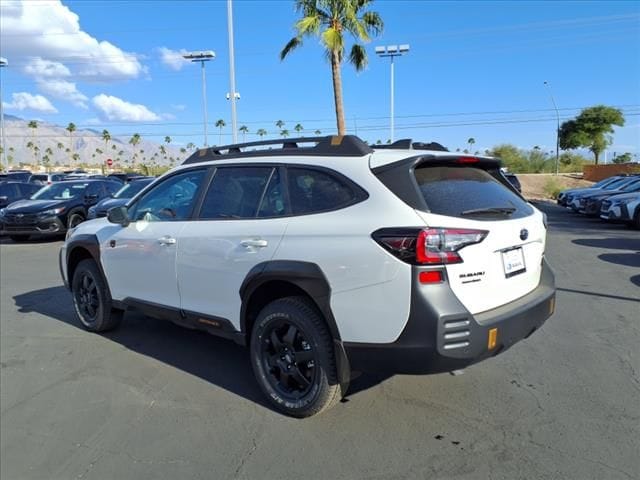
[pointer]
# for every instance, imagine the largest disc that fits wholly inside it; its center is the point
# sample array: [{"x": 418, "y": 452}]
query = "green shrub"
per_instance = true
[{"x": 552, "y": 188}]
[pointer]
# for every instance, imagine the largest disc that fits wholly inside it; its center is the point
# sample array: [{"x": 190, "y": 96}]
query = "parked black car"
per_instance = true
[
  {"x": 54, "y": 208},
  {"x": 13, "y": 191},
  {"x": 125, "y": 177},
  {"x": 16, "y": 176},
  {"x": 120, "y": 198}
]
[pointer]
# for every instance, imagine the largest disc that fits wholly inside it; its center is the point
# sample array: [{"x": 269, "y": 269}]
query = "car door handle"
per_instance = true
[
  {"x": 167, "y": 240},
  {"x": 254, "y": 242}
]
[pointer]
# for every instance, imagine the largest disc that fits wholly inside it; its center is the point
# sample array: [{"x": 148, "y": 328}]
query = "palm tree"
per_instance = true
[
  {"x": 33, "y": 125},
  {"x": 298, "y": 128},
  {"x": 134, "y": 141},
  {"x": 280, "y": 124},
  {"x": 261, "y": 132},
  {"x": 317, "y": 132},
  {"x": 106, "y": 136},
  {"x": 284, "y": 133},
  {"x": 244, "y": 129},
  {"x": 330, "y": 20},
  {"x": 220, "y": 124},
  {"x": 71, "y": 128},
  {"x": 471, "y": 141},
  {"x": 167, "y": 140},
  {"x": 191, "y": 146}
]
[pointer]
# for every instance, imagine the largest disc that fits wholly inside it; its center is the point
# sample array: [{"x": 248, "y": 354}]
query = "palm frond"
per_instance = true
[
  {"x": 308, "y": 25},
  {"x": 332, "y": 39},
  {"x": 292, "y": 44},
  {"x": 358, "y": 57},
  {"x": 373, "y": 23}
]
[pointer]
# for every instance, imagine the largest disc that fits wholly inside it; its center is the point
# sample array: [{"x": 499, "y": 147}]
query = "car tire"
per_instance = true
[
  {"x": 293, "y": 358},
  {"x": 635, "y": 223},
  {"x": 19, "y": 238},
  {"x": 75, "y": 219},
  {"x": 92, "y": 300}
]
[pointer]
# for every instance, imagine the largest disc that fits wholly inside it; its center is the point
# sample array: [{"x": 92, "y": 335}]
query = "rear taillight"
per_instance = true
[{"x": 430, "y": 246}]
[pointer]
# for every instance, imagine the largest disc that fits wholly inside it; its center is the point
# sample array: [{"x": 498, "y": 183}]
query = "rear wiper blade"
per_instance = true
[{"x": 480, "y": 211}]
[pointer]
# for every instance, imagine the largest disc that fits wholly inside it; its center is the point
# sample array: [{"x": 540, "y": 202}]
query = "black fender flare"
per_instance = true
[
  {"x": 89, "y": 243},
  {"x": 308, "y": 277}
]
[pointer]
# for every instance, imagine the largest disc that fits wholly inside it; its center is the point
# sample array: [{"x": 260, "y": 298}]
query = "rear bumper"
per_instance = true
[{"x": 441, "y": 335}]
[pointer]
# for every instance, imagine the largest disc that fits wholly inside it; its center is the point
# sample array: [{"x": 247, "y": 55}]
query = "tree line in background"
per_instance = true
[{"x": 591, "y": 129}]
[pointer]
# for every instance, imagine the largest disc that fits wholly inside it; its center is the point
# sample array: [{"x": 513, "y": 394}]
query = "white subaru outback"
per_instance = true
[{"x": 324, "y": 256}]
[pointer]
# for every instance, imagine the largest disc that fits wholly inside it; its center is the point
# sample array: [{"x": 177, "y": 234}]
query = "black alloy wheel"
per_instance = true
[
  {"x": 289, "y": 359},
  {"x": 86, "y": 297}
]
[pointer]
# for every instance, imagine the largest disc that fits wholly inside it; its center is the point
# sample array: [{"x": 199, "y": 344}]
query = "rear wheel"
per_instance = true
[
  {"x": 293, "y": 359},
  {"x": 635, "y": 223},
  {"x": 91, "y": 298},
  {"x": 19, "y": 238}
]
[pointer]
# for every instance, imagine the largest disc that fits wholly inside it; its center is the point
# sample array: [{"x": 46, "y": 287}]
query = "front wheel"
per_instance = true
[
  {"x": 293, "y": 359},
  {"x": 74, "y": 220},
  {"x": 91, "y": 298},
  {"x": 635, "y": 223}
]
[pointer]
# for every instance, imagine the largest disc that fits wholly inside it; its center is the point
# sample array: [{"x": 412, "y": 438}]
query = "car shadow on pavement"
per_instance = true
[
  {"x": 635, "y": 280},
  {"x": 610, "y": 243},
  {"x": 627, "y": 259},
  {"x": 213, "y": 359}
]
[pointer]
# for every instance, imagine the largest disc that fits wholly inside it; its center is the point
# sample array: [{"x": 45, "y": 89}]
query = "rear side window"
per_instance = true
[
  {"x": 313, "y": 191},
  {"x": 237, "y": 192},
  {"x": 468, "y": 193}
]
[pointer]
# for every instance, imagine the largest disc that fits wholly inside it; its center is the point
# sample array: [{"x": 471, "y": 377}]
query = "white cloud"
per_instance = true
[
  {"x": 40, "y": 68},
  {"x": 27, "y": 101},
  {"x": 173, "y": 58},
  {"x": 179, "y": 107},
  {"x": 49, "y": 31},
  {"x": 63, "y": 90},
  {"x": 116, "y": 109}
]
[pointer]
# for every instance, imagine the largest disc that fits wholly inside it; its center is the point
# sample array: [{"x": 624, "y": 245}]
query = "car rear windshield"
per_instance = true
[{"x": 468, "y": 192}]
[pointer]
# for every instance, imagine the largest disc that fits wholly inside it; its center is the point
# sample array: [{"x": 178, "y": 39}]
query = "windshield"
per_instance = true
[
  {"x": 631, "y": 186},
  {"x": 60, "y": 191},
  {"x": 131, "y": 189}
]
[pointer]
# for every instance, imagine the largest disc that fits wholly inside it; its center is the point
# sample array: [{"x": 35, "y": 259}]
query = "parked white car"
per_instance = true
[
  {"x": 324, "y": 259},
  {"x": 622, "y": 208}
]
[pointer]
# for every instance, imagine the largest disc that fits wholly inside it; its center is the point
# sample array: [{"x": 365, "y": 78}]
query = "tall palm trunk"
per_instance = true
[{"x": 337, "y": 91}]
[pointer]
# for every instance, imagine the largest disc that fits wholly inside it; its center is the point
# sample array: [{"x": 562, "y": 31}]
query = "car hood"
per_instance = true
[
  {"x": 108, "y": 203},
  {"x": 33, "y": 206},
  {"x": 600, "y": 195},
  {"x": 576, "y": 191},
  {"x": 625, "y": 196}
]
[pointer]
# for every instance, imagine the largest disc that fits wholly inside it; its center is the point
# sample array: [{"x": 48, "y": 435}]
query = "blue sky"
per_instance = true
[{"x": 475, "y": 69}]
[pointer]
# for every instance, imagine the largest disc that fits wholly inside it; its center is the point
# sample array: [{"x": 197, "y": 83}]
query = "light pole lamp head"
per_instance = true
[
  {"x": 3, "y": 62},
  {"x": 200, "y": 56},
  {"x": 404, "y": 48},
  {"x": 381, "y": 50}
]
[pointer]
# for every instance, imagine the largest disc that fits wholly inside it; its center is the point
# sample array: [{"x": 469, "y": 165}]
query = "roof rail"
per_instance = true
[
  {"x": 332, "y": 145},
  {"x": 409, "y": 144}
]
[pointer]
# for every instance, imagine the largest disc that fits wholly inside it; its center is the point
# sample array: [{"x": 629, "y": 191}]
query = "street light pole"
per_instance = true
[
  {"x": 557, "y": 127},
  {"x": 3, "y": 63},
  {"x": 392, "y": 51},
  {"x": 202, "y": 57},
  {"x": 232, "y": 73}
]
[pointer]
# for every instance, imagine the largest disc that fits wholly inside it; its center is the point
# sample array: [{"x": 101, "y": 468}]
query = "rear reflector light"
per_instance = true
[
  {"x": 431, "y": 246},
  {"x": 432, "y": 276}
]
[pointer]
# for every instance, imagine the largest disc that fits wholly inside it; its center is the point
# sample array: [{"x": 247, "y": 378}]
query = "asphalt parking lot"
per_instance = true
[{"x": 153, "y": 400}]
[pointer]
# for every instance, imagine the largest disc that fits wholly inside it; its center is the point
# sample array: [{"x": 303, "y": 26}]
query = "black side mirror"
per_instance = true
[
  {"x": 119, "y": 215},
  {"x": 91, "y": 198}
]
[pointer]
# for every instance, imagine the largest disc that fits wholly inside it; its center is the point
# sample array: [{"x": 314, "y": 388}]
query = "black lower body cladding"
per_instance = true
[{"x": 442, "y": 336}]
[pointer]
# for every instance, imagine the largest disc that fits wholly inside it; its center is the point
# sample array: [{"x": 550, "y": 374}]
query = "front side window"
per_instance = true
[
  {"x": 171, "y": 200},
  {"x": 239, "y": 192},
  {"x": 313, "y": 191}
]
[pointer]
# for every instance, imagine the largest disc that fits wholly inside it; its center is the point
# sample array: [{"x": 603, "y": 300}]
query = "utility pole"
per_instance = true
[
  {"x": 557, "y": 126},
  {"x": 232, "y": 73},
  {"x": 3, "y": 63}
]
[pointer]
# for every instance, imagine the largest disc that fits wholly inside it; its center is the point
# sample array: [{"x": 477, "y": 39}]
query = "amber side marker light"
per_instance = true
[
  {"x": 493, "y": 338},
  {"x": 552, "y": 306}
]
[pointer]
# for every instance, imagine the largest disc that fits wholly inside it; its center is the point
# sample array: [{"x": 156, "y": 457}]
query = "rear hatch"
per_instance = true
[{"x": 462, "y": 195}]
